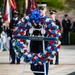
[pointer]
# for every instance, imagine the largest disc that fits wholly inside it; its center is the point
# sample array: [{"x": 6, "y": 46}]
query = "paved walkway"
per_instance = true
[{"x": 65, "y": 67}]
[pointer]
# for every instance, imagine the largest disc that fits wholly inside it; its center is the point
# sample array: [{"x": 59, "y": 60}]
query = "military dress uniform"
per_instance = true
[
  {"x": 66, "y": 24},
  {"x": 13, "y": 22},
  {"x": 37, "y": 47}
]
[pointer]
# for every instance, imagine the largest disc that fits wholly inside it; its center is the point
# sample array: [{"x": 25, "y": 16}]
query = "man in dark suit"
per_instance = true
[
  {"x": 57, "y": 22},
  {"x": 66, "y": 24},
  {"x": 13, "y": 22}
]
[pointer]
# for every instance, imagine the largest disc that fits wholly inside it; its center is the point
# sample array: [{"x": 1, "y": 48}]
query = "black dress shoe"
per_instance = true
[
  {"x": 12, "y": 63},
  {"x": 51, "y": 62},
  {"x": 56, "y": 63},
  {"x": 18, "y": 63}
]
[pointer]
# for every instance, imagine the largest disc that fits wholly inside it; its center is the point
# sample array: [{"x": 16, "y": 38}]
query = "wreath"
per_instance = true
[{"x": 52, "y": 30}]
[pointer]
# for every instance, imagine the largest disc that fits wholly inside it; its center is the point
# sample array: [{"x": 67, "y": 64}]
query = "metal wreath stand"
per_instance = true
[{"x": 42, "y": 38}]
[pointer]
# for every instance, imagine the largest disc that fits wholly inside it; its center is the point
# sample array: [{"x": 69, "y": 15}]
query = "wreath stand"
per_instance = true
[{"x": 42, "y": 38}]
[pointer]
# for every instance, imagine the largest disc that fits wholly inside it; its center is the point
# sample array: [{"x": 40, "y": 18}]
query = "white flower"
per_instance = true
[
  {"x": 18, "y": 39},
  {"x": 19, "y": 22},
  {"x": 27, "y": 17},
  {"x": 14, "y": 44},
  {"x": 53, "y": 52},
  {"x": 22, "y": 51},
  {"x": 22, "y": 19},
  {"x": 29, "y": 23},
  {"x": 29, "y": 55},
  {"x": 47, "y": 20},
  {"x": 49, "y": 47},
  {"x": 19, "y": 34}
]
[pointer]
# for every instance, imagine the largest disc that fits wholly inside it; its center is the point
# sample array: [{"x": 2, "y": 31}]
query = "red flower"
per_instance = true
[
  {"x": 50, "y": 42},
  {"x": 52, "y": 28},
  {"x": 33, "y": 24},
  {"x": 27, "y": 28},
  {"x": 52, "y": 48},
  {"x": 25, "y": 22},
  {"x": 54, "y": 35},
  {"x": 55, "y": 54},
  {"x": 22, "y": 32},
  {"x": 47, "y": 54},
  {"x": 38, "y": 64},
  {"x": 15, "y": 33},
  {"x": 21, "y": 40},
  {"x": 41, "y": 58},
  {"x": 58, "y": 46},
  {"x": 20, "y": 27},
  {"x": 48, "y": 23},
  {"x": 23, "y": 47},
  {"x": 25, "y": 51},
  {"x": 42, "y": 20},
  {"x": 49, "y": 33},
  {"x": 33, "y": 59},
  {"x": 58, "y": 30}
]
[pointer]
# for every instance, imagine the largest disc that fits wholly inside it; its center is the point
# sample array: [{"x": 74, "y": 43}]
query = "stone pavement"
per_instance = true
[{"x": 66, "y": 64}]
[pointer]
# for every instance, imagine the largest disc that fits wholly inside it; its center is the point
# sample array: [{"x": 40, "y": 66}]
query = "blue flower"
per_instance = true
[
  {"x": 19, "y": 49},
  {"x": 18, "y": 30},
  {"x": 51, "y": 55},
  {"x": 43, "y": 61},
  {"x": 49, "y": 25},
  {"x": 53, "y": 31},
  {"x": 17, "y": 25},
  {"x": 17, "y": 43},
  {"x": 53, "y": 44},
  {"x": 55, "y": 49},
  {"x": 55, "y": 27},
  {"x": 36, "y": 15},
  {"x": 50, "y": 20},
  {"x": 22, "y": 24}
]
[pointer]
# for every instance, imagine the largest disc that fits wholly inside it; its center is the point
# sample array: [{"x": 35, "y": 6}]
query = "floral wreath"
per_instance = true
[{"x": 52, "y": 30}]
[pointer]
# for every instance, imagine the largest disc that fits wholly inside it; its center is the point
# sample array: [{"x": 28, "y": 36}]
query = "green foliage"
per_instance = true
[{"x": 20, "y": 6}]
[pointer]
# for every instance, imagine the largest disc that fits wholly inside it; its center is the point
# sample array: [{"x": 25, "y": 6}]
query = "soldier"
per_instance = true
[
  {"x": 66, "y": 24},
  {"x": 57, "y": 22},
  {"x": 37, "y": 46},
  {"x": 13, "y": 22}
]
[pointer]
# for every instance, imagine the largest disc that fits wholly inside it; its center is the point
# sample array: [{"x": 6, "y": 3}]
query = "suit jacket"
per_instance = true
[
  {"x": 66, "y": 25},
  {"x": 13, "y": 23}
]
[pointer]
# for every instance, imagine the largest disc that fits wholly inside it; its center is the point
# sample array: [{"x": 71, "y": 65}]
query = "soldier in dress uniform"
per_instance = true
[
  {"x": 66, "y": 24},
  {"x": 37, "y": 46},
  {"x": 57, "y": 22},
  {"x": 13, "y": 22}
]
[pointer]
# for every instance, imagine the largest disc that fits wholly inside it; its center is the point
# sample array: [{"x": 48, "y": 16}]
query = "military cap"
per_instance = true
[
  {"x": 53, "y": 11},
  {"x": 15, "y": 12},
  {"x": 66, "y": 15},
  {"x": 41, "y": 5}
]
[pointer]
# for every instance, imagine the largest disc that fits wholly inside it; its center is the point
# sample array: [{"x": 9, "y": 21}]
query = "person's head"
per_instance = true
[
  {"x": 53, "y": 14},
  {"x": 66, "y": 15},
  {"x": 42, "y": 7},
  {"x": 15, "y": 13}
]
